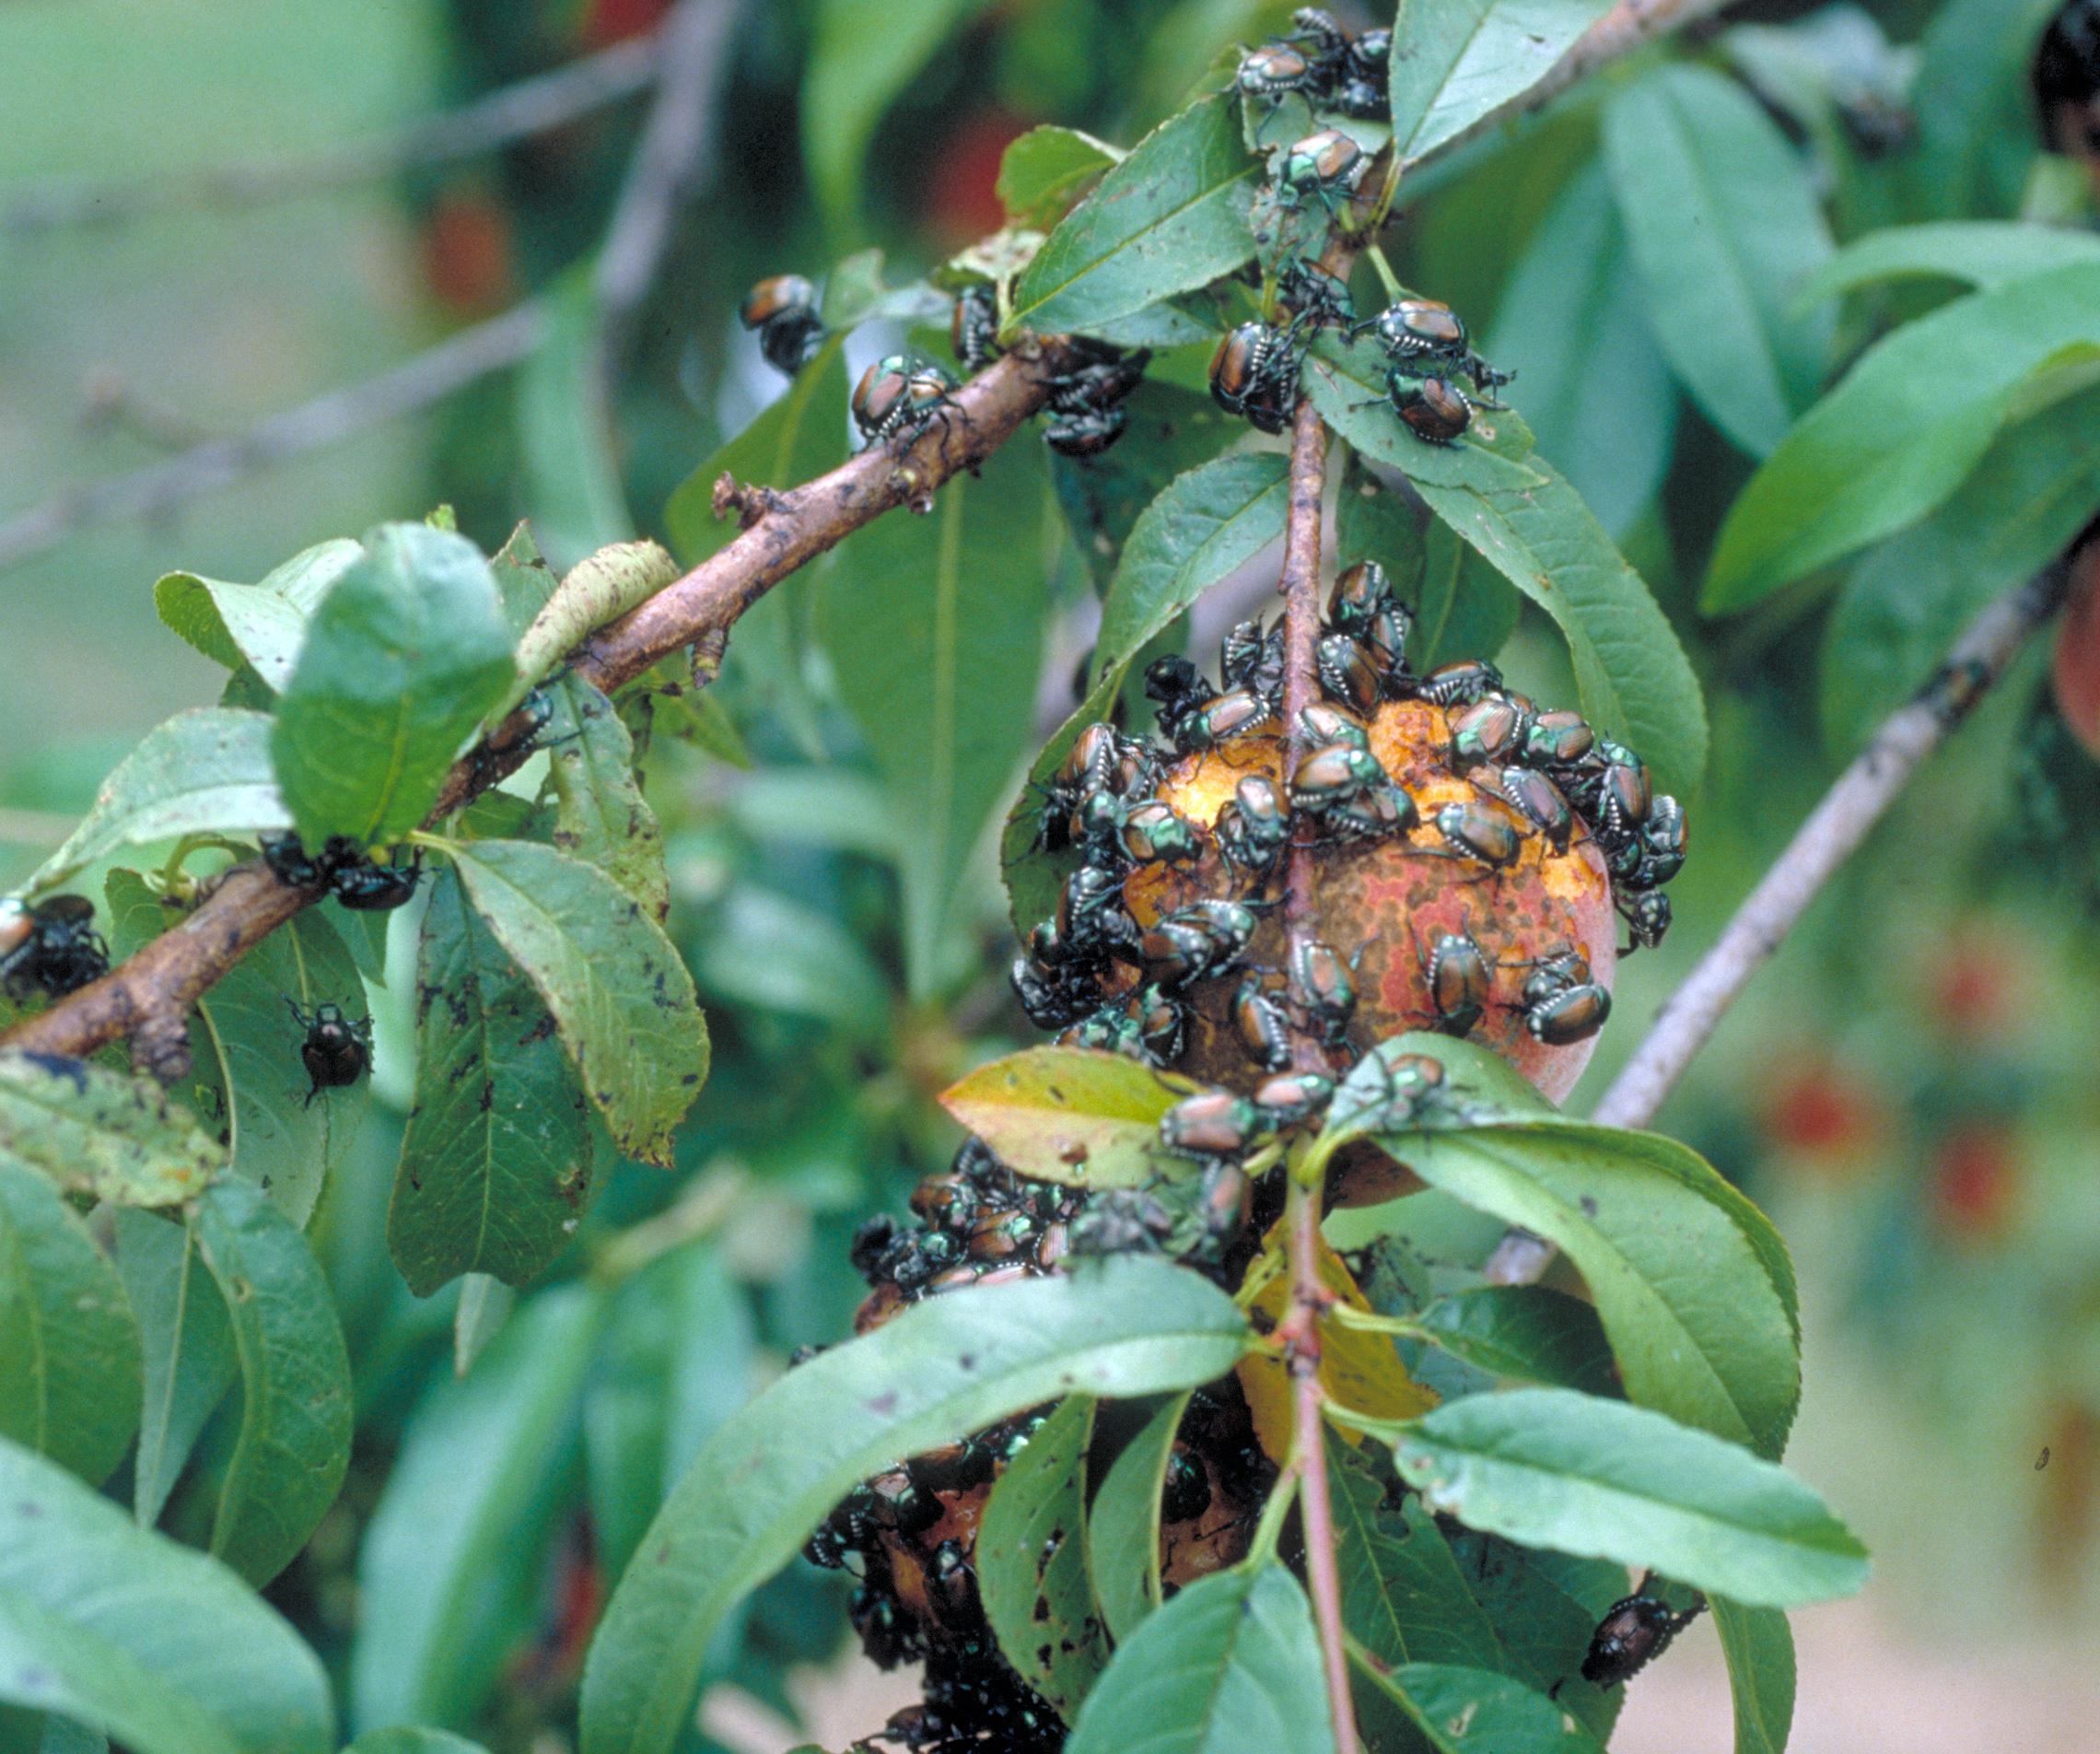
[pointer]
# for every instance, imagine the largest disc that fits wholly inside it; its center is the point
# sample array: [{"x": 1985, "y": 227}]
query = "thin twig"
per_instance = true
[
  {"x": 336, "y": 415},
  {"x": 533, "y": 106},
  {"x": 1832, "y": 833}
]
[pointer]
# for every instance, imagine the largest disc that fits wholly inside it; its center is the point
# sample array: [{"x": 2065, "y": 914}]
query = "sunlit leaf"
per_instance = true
[
  {"x": 1070, "y": 1115},
  {"x": 1456, "y": 60},
  {"x": 261, "y": 624}
]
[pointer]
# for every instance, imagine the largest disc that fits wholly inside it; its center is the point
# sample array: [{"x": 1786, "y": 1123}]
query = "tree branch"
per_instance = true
[
  {"x": 1847, "y": 813},
  {"x": 516, "y": 112}
]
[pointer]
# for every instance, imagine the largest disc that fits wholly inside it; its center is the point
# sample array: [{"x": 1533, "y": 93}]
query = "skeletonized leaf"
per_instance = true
[
  {"x": 1231, "y": 1664},
  {"x": 1554, "y": 1468},
  {"x": 293, "y": 1443},
  {"x": 69, "y": 1343},
  {"x": 74, "y": 1568},
  {"x": 496, "y": 1159},
  {"x": 259, "y": 625},
  {"x": 1031, "y": 1562},
  {"x": 402, "y": 659},
  {"x": 205, "y": 771},
  {"x": 1171, "y": 217},
  {"x": 600, "y": 812},
  {"x": 949, "y": 1364},
  {"x": 618, "y": 990},
  {"x": 1895, "y": 437},
  {"x": 1455, "y": 61},
  {"x": 1070, "y": 1115},
  {"x": 96, "y": 1132},
  {"x": 1726, "y": 229},
  {"x": 935, "y": 630},
  {"x": 599, "y": 588}
]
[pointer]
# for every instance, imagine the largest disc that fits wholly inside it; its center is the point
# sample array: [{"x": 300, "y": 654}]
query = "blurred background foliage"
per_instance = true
[{"x": 1908, "y": 1088}]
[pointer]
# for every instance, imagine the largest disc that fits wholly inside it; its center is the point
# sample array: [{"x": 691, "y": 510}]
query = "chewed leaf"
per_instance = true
[
  {"x": 1031, "y": 1561},
  {"x": 1070, "y": 1115},
  {"x": 599, "y": 588},
  {"x": 96, "y": 1132}
]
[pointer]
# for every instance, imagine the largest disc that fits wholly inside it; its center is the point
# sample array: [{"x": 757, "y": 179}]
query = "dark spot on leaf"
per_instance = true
[
  {"x": 61, "y": 1065},
  {"x": 29, "y": 1510},
  {"x": 1044, "y": 1653},
  {"x": 882, "y": 1406},
  {"x": 1589, "y": 1206},
  {"x": 967, "y": 1360}
]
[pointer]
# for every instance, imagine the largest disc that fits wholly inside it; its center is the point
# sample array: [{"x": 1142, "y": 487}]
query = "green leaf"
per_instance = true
[
  {"x": 1898, "y": 436},
  {"x": 402, "y": 659},
  {"x": 1594, "y": 384},
  {"x": 1974, "y": 105},
  {"x": 1205, "y": 523},
  {"x": 1903, "y": 605},
  {"x": 618, "y": 992},
  {"x": 1759, "y": 1649},
  {"x": 72, "y": 1565},
  {"x": 1554, "y": 1468},
  {"x": 294, "y": 1445},
  {"x": 1346, "y": 382},
  {"x": 187, "y": 1345},
  {"x": 566, "y": 443},
  {"x": 1403, "y": 1594},
  {"x": 950, "y": 1364},
  {"x": 761, "y": 949},
  {"x": 601, "y": 815},
  {"x": 863, "y": 56},
  {"x": 597, "y": 591},
  {"x": 954, "y": 605},
  {"x": 1042, "y": 170},
  {"x": 47, "y": 1663},
  {"x": 205, "y": 771},
  {"x": 1636, "y": 682},
  {"x": 263, "y": 624},
  {"x": 1984, "y": 253},
  {"x": 1070, "y": 1115},
  {"x": 1545, "y": 1606},
  {"x": 404, "y": 1739},
  {"x": 1463, "y": 608},
  {"x": 69, "y": 1343},
  {"x": 1726, "y": 230},
  {"x": 1528, "y": 1333},
  {"x": 484, "y": 1306},
  {"x": 1456, "y": 60},
  {"x": 448, "y": 1576},
  {"x": 1231, "y": 1666},
  {"x": 1123, "y": 1524},
  {"x": 495, "y": 1161},
  {"x": 282, "y": 1142},
  {"x": 1687, "y": 1274},
  {"x": 94, "y": 1131},
  {"x": 1169, "y": 431},
  {"x": 1471, "y": 1711},
  {"x": 1171, "y": 217},
  {"x": 1031, "y": 1561}
]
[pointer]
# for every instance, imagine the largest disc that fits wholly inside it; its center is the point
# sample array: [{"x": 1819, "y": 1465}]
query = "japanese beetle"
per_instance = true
[
  {"x": 51, "y": 948},
  {"x": 337, "y": 1050},
  {"x": 1322, "y": 722},
  {"x": 1085, "y": 434},
  {"x": 1559, "y": 740},
  {"x": 1263, "y": 1024},
  {"x": 947, "y": 1203},
  {"x": 1252, "y": 660},
  {"x": 1255, "y": 827},
  {"x": 1254, "y": 374},
  {"x": 1478, "y": 833},
  {"x": 1219, "y": 720},
  {"x": 1348, "y": 672},
  {"x": 291, "y": 864},
  {"x": 1357, "y": 596},
  {"x": 1090, "y": 916},
  {"x": 973, "y": 326},
  {"x": 783, "y": 312},
  {"x": 1434, "y": 409},
  {"x": 1323, "y": 987},
  {"x": 1647, "y": 920},
  {"x": 1177, "y": 688},
  {"x": 1621, "y": 794},
  {"x": 1212, "y": 1123},
  {"x": 1456, "y": 974},
  {"x": 1122, "y": 1221},
  {"x": 1100, "y": 384},
  {"x": 1572, "y": 1015},
  {"x": 1155, "y": 833},
  {"x": 1316, "y": 298},
  {"x": 1490, "y": 730},
  {"x": 1223, "y": 1199},
  {"x": 1184, "y": 1494},
  {"x": 899, "y": 397},
  {"x": 1050, "y": 998},
  {"x": 1662, "y": 836},
  {"x": 1335, "y": 774},
  {"x": 1552, "y": 975},
  {"x": 369, "y": 888},
  {"x": 1321, "y": 167},
  {"x": 1534, "y": 798},
  {"x": 1416, "y": 329},
  {"x": 1276, "y": 70},
  {"x": 1633, "y": 1633},
  {"x": 1293, "y": 1097},
  {"x": 1195, "y": 943},
  {"x": 1413, "y": 1083},
  {"x": 1460, "y": 684}
]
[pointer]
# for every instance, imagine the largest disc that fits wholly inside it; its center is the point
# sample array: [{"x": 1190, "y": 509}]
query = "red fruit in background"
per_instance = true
[
  {"x": 606, "y": 21},
  {"x": 2076, "y": 673},
  {"x": 467, "y": 253},
  {"x": 1975, "y": 1177},
  {"x": 1825, "y": 1113},
  {"x": 1978, "y": 980},
  {"x": 962, "y": 199}
]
